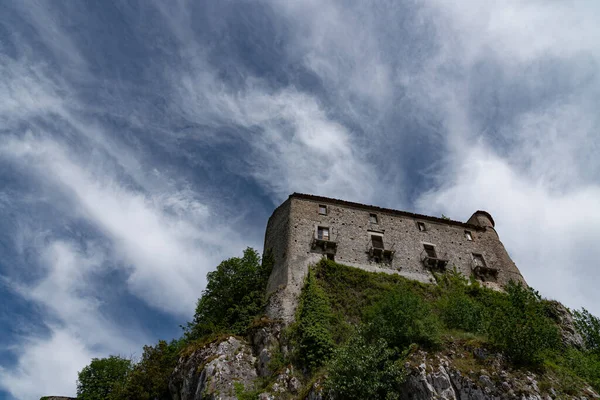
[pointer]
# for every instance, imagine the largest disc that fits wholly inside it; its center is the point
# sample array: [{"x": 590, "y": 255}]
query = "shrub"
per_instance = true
[
  {"x": 234, "y": 296},
  {"x": 402, "y": 318},
  {"x": 458, "y": 309},
  {"x": 103, "y": 378},
  {"x": 315, "y": 342},
  {"x": 149, "y": 378},
  {"x": 520, "y": 327},
  {"x": 363, "y": 370},
  {"x": 588, "y": 326}
]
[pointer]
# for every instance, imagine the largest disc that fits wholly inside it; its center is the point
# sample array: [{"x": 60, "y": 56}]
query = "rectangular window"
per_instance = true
[
  {"x": 430, "y": 250},
  {"x": 373, "y": 218},
  {"x": 322, "y": 233},
  {"x": 322, "y": 209},
  {"x": 377, "y": 241},
  {"x": 478, "y": 260},
  {"x": 468, "y": 235},
  {"x": 421, "y": 226}
]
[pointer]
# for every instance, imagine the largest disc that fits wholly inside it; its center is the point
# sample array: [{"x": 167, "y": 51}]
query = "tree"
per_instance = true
[
  {"x": 102, "y": 378},
  {"x": 149, "y": 378},
  {"x": 520, "y": 326},
  {"x": 234, "y": 296},
  {"x": 589, "y": 326},
  {"x": 402, "y": 318},
  {"x": 363, "y": 370}
]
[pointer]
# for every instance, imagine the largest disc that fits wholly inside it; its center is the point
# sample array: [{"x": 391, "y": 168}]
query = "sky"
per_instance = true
[{"x": 142, "y": 142}]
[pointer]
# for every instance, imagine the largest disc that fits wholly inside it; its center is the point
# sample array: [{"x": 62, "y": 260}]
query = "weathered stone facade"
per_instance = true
[{"x": 306, "y": 228}]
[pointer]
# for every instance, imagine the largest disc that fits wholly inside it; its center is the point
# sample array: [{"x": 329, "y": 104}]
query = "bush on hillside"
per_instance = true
[
  {"x": 314, "y": 338},
  {"x": 520, "y": 327},
  {"x": 364, "y": 370},
  {"x": 234, "y": 296},
  {"x": 588, "y": 326},
  {"x": 402, "y": 318},
  {"x": 103, "y": 378},
  {"x": 149, "y": 378},
  {"x": 460, "y": 305}
]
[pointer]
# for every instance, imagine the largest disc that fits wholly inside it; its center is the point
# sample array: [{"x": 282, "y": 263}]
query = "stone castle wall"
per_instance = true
[{"x": 292, "y": 228}]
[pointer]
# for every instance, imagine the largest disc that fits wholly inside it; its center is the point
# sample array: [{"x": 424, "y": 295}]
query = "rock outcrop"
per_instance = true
[
  {"x": 437, "y": 377},
  {"x": 462, "y": 371},
  {"x": 212, "y": 372}
]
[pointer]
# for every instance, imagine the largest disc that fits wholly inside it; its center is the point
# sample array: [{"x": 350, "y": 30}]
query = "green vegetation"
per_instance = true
[
  {"x": 359, "y": 329},
  {"x": 363, "y": 369},
  {"x": 103, "y": 378},
  {"x": 402, "y": 318},
  {"x": 234, "y": 296},
  {"x": 242, "y": 394},
  {"x": 520, "y": 327},
  {"x": 149, "y": 378},
  {"x": 313, "y": 331},
  {"x": 589, "y": 327}
]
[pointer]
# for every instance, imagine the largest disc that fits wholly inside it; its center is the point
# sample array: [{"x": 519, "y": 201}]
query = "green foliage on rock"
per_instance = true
[
  {"x": 588, "y": 326},
  {"x": 402, "y": 318},
  {"x": 459, "y": 306},
  {"x": 103, "y": 379},
  {"x": 242, "y": 394},
  {"x": 520, "y": 327},
  {"x": 361, "y": 369},
  {"x": 313, "y": 330},
  {"x": 149, "y": 378},
  {"x": 234, "y": 296}
]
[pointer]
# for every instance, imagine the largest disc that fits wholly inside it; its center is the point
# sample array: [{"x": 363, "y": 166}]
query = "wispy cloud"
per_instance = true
[{"x": 149, "y": 166}]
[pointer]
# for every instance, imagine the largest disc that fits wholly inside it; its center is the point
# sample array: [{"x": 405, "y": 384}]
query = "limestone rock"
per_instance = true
[
  {"x": 437, "y": 378},
  {"x": 568, "y": 332},
  {"x": 210, "y": 372}
]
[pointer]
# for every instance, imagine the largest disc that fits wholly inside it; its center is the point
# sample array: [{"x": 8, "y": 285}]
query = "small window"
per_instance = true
[
  {"x": 478, "y": 260},
  {"x": 331, "y": 257},
  {"x": 322, "y": 233},
  {"x": 430, "y": 250},
  {"x": 373, "y": 218},
  {"x": 468, "y": 235},
  {"x": 421, "y": 226},
  {"x": 377, "y": 241},
  {"x": 322, "y": 209}
]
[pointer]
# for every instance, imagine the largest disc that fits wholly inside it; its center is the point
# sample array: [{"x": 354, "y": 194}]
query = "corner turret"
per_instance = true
[{"x": 482, "y": 218}]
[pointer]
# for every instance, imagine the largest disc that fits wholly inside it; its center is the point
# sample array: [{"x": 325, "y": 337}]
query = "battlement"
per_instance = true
[{"x": 307, "y": 228}]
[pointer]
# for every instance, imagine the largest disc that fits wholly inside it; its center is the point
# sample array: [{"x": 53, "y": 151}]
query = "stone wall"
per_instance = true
[{"x": 292, "y": 228}]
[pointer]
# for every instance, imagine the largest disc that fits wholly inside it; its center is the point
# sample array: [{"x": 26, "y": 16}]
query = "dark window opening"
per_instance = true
[
  {"x": 421, "y": 226},
  {"x": 322, "y": 233},
  {"x": 331, "y": 257},
  {"x": 430, "y": 250},
  {"x": 377, "y": 241},
  {"x": 478, "y": 260},
  {"x": 322, "y": 209},
  {"x": 373, "y": 218}
]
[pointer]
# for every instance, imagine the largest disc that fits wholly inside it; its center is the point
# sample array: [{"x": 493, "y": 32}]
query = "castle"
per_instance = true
[{"x": 306, "y": 228}]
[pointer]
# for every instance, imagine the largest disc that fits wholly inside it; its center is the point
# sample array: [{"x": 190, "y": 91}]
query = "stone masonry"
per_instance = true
[{"x": 306, "y": 228}]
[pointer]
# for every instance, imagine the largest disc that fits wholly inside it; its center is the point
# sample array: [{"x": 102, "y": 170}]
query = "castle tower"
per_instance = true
[{"x": 306, "y": 228}]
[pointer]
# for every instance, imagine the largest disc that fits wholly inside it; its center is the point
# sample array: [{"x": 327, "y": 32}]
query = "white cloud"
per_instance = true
[
  {"x": 293, "y": 144},
  {"x": 169, "y": 251},
  {"x": 550, "y": 235},
  {"x": 47, "y": 366},
  {"x": 67, "y": 296}
]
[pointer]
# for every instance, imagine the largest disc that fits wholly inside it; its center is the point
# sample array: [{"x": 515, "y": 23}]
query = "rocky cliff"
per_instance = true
[{"x": 236, "y": 368}]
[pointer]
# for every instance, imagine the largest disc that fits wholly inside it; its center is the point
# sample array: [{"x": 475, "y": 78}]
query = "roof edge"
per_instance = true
[{"x": 386, "y": 210}]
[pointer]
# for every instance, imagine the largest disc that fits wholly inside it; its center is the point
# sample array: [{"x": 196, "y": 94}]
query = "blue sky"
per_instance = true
[{"x": 142, "y": 142}]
